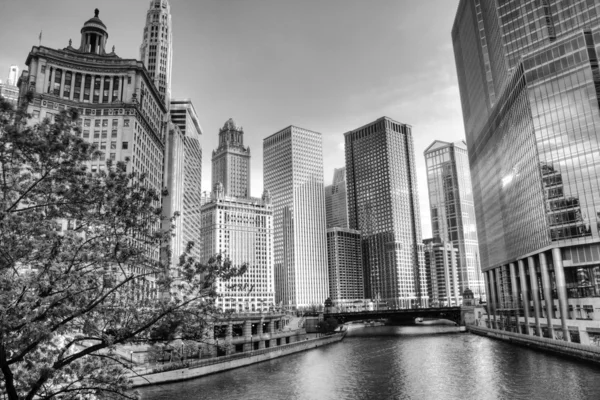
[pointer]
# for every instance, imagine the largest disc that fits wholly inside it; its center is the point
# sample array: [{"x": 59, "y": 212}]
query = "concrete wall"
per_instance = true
[
  {"x": 586, "y": 352},
  {"x": 230, "y": 362}
]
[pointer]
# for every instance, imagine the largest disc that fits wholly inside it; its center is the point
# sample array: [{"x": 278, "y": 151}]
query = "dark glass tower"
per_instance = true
[
  {"x": 383, "y": 204},
  {"x": 530, "y": 89}
]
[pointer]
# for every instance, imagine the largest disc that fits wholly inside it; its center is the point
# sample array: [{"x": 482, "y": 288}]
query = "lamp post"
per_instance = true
[
  {"x": 251, "y": 344},
  {"x": 217, "y": 347}
]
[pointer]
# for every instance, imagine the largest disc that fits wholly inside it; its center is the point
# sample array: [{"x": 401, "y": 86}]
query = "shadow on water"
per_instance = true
[{"x": 361, "y": 330}]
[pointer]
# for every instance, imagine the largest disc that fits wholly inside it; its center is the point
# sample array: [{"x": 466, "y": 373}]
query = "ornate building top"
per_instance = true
[
  {"x": 230, "y": 125},
  {"x": 231, "y": 136}
]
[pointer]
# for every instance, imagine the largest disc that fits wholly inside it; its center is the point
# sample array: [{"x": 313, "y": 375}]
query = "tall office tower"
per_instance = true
[
  {"x": 184, "y": 177},
  {"x": 231, "y": 161},
  {"x": 156, "y": 51},
  {"x": 293, "y": 173},
  {"x": 452, "y": 210},
  {"x": 336, "y": 200},
  {"x": 121, "y": 110},
  {"x": 344, "y": 258},
  {"x": 383, "y": 204},
  {"x": 241, "y": 228},
  {"x": 13, "y": 75},
  {"x": 530, "y": 91},
  {"x": 443, "y": 275}
]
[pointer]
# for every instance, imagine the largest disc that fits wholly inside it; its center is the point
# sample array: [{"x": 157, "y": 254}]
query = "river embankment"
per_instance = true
[{"x": 224, "y": 363}]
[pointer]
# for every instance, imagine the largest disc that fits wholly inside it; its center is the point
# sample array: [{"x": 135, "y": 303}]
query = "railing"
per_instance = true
[{"x": 217, "y": 360}]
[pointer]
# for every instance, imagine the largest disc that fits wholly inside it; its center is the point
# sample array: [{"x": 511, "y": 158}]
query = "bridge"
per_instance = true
[{"x": 455, "y": 314}]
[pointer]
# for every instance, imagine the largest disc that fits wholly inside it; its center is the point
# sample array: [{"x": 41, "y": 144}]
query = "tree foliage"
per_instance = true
[
  {"x": 327, "y": 325},
  {"x": 80, "y": 270}
]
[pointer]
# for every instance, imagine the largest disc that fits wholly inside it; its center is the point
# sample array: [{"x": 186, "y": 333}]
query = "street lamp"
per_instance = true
[
  {"x": 251, "y": 344},
  {"x": 217, "y": 347}
]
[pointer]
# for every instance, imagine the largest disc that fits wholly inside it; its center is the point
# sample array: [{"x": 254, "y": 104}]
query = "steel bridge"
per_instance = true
[{"x": 455, "y": 314}]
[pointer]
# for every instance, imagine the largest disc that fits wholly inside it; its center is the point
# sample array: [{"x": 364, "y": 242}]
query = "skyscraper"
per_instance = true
[
  {"x": 442, "y": 265},
  {"x": 13, "y": 75},
  {"x": 184, "y": 177},
  {"x": 336, "y": 200},
  {"x": 238, "y": 226},
  {"x": 121, "y": 111},
  {"x": 383, "y": 204},
  {"x": 293, "y": 173},
  {"x": 231, "y": 161},
  {"x": 156, "y": 51},
  {"x": 528, "y": 79},
  {"x": 451, "y": 208},
  {"x": 9, "y": 89},
  {"x": 344, "y": 257}
]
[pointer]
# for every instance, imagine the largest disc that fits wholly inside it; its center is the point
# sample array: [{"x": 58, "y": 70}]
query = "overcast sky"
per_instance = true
[{"x": 325, "y": 65}]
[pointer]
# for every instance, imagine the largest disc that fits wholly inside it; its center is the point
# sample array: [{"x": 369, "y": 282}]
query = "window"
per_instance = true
[
  {"x": 102, "y": 157},
  {"x": 86, "y": 134},
  {"x": 129, "y": 80},
  {"x": 104, "y": 134},
  {"x": 125, "y": 145},
  {"x": 43, "y": 69},
  {"x": 104, "y": 122},
  {"x": 97, "y": 123},
  {"x": 102, "y": 145},
  {"x": 115, "y": 122},
  {"x": 36, "y": 113},
  {"x": 126, "y": 123},
  {"x": 113, "y": 145},
  {"x": 113, "y": 134},
  {"x": 113, "y": 156},
  {"x": 96, "y": 134}
]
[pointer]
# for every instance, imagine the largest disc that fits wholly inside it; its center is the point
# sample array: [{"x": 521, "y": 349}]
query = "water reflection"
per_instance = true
[{"x": 450, "y": 366}]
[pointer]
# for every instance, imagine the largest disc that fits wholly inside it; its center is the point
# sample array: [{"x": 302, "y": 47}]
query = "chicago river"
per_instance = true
[{"x": 400, "y": 363}]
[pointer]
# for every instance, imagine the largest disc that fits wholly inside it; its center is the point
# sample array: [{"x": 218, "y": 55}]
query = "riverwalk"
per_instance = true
[
  {"x": 198, "y": 368},
  {"x": 581, "y": 351}
]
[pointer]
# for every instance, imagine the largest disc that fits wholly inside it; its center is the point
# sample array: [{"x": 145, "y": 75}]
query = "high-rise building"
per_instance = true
[
  {"x": 344, "y": 258},
  {"x": 383, "y": 204},
  {"x": 121, "y": 111},
  {"x": 184, "y": 177},
  {"x": 336, "y": 200},
  {"x": 241, "y": 228},
  {"x": 231, "y": 161},
  {"x": 293, "y": 173},
  {"x": 156, "y": 51},
  {"x": 451, "y": 208},
  {"x": 442, "y": 266},
  {"x": 530, "y": 91},
  {"x": 13, "y": 75}
]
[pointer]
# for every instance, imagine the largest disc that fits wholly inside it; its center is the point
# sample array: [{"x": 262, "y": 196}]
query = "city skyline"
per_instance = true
[{"x": 339, "y": 92}]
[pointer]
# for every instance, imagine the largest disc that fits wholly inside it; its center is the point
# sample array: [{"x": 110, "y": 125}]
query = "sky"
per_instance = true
[{"x": 329, "y": 66}]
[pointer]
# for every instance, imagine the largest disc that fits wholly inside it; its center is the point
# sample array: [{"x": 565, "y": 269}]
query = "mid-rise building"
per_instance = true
[
  {"x": 452, "y": 210},
  {"x": 231, "y": 161},
  {"x": 121, "y": 111},
  {"x": 184, "y": 177},
  {"x": 383, "y": 204},
  {"x": 241, "y": 229},
  {"x": 156, "y": 51},
  {"x": 336, "y": 200},
  {"x": 344, "y": 258},
  {"x": 530, "y": 92},
  {"x": 442, "y": 264},
  {"x": 293, "y": 173}
]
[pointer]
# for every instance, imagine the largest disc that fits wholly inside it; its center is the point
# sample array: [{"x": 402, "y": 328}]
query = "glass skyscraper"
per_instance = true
[
  {"x": 452, "y": 210},
  {"x": 336, "y": 200},
  {"x": 530, "y": 90},
  {"x": 383, "y": 205},
  {"x": 293, "y": 174}
]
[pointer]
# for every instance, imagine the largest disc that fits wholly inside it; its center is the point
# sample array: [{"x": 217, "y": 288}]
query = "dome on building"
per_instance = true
[
  {"x": 230, "y": 125},
  {"x": 94, "y": 21}
]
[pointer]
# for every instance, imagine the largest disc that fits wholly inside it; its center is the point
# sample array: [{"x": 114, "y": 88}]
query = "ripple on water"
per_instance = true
[{"x": 452, "y": 366}]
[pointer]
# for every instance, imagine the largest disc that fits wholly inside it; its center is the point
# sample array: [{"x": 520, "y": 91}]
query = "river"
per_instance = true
[{"x": 399, "y": 363}]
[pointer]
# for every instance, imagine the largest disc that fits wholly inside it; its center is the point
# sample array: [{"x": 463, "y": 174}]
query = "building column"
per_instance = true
[
  {"x": 547, "y": 293},
  {"x": 110, "y": 88},
  {"x": 492, "y": 282},
  {"x": 247, "y": 335},
  {"x": 514, "y": 304},
  {"x": 82, "y": 87},
  {"x": 259, "y": 333},
  {"x": 52, "y": 77},
  {"x": 72, "y": 92},
  {"x": 499, "y": 294},
  {"x": 561, "y": 289},
  {"x": 525, "y": 293},
  {"x": 62, "y": 83},
  {"x": 535, "y": 294},
  {"x": 101, "y": 89}
]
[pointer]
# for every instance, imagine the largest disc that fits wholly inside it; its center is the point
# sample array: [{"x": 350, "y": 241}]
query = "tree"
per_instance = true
[
  {"x": 79, "y": 265},
  {"x": 327, "y": 325}
]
